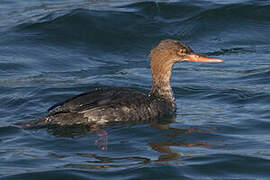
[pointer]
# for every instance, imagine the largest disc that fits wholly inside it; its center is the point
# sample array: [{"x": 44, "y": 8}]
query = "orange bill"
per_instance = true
[{"x": 197, "y": 58}]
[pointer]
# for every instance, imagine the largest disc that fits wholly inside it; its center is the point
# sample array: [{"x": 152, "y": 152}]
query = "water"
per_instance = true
[{"x": 52, "y": 50}]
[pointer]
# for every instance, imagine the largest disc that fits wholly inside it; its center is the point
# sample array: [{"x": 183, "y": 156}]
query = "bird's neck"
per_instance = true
[{"x": 161, "y": 74}]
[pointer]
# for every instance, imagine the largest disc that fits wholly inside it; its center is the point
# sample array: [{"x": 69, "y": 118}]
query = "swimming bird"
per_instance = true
[{"x": 106, "y": 106}]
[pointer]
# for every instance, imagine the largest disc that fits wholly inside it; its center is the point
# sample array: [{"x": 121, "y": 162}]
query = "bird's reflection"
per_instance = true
[
  {"x": 163, "y": 147},
  {"x": 101, "y": 134}
]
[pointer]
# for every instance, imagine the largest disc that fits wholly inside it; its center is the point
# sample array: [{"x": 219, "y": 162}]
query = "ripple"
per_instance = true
[{"x": 231, "y": 51}]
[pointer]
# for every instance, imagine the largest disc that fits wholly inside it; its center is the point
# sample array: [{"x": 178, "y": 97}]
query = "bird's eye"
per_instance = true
[{"x": 182, "y": 51}]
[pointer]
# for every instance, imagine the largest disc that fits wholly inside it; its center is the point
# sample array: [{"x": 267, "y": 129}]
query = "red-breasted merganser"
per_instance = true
[{"x": 105, "y": 106}]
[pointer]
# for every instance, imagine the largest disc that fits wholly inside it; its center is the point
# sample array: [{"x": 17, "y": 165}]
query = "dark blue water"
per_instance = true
[{"x": 52, "y": 50}]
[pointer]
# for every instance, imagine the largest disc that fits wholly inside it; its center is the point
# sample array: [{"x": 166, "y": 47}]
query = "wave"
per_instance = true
[
  {"x": 229, "y": 51},
  {"x": 258, "y": 78},
  {"x": 149, "y": 20},
  {"x": 177, "y": 10}
]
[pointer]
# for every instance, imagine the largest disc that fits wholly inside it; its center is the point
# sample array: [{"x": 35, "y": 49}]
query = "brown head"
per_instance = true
[{"x": 165, "y": 54}]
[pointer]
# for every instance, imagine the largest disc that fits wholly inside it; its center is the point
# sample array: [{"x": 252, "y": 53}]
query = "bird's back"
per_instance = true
[{"x": 104, "y": 106}]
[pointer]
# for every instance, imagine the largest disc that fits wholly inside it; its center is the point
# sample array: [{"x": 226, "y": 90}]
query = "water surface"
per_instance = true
[{"x": 52, "y": 50}]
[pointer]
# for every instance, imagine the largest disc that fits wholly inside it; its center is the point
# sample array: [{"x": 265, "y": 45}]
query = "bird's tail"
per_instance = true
[{"x": 33, "y": 124}]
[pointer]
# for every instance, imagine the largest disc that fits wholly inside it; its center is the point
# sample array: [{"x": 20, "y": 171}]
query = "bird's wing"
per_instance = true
[{"x": 96, "y": 98}]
